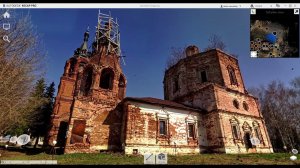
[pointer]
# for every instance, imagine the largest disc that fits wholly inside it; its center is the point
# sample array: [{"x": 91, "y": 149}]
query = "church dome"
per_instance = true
[{"x": 191, "y": 50}]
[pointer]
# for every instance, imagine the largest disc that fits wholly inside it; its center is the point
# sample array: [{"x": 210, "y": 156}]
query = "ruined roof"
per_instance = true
[{"x": 155, "y": 101}]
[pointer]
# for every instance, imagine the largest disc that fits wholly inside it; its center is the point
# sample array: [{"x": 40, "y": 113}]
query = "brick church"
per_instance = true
[{"x": 206, "y": 107}]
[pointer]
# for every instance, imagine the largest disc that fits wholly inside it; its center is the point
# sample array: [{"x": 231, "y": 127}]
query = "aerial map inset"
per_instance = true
[{"x": 274, "y": 33}]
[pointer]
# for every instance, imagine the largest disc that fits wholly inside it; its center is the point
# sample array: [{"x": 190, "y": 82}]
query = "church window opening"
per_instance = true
[
  {"x": 121, "y": 85},
  {"x": 236, "y": 103},
  {"x": 78, "y": 131},
  {"x": 235, "y": 128},
  {"x": 232, "y": 76},
  {"x": 203, "y": 76},
  {"x": 106, "y": 79},
  {"x": 191, "y": 130},
  {"x": 257, "y": 131},
  {"x": 245, "y": 105},
  {"x": 162, "y": 127},
  {"x": 235, "y": 131},
  {"x": 87, "y": 80}
]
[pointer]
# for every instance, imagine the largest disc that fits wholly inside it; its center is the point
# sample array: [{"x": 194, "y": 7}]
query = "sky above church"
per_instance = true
[{"x": 147, "y": 36}]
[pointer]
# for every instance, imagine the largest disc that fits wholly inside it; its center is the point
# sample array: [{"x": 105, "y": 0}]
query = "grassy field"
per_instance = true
[
  {"x": 119, "y": 159},
  {"x": 15, "y": 153}
]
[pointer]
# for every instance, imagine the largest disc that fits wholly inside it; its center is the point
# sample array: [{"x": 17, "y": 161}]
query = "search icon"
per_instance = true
[{"x": 5, "y": 38}]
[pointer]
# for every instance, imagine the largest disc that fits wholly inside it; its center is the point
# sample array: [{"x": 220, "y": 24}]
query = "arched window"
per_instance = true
[
  {"x": 107, "y": 78},
  {"x": 257, "y": 132},
  {"x": 247, "y": 135},
  {"x": 236, "y": 104},
  {"x": 246, "y": 127},
  {"x": 87, "y": 80},
  {"x": 245, "y": 106},
  {"x": 232, "y": 76},
  {"x": 235, "y": 128},
  {"x": 121, "y": 85}
]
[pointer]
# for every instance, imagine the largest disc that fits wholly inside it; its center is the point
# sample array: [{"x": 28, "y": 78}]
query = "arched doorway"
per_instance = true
[
  {"x": 247, "y": 141},
  {"x": 62, "y": 136}
]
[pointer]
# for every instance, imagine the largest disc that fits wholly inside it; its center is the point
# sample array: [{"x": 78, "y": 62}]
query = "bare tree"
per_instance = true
[
  {"x": 176, "y": 54},
  {"x": 21, "y": 63},
  {"x": 280, "y": 107},
  {"x": 215, "y": 41}
]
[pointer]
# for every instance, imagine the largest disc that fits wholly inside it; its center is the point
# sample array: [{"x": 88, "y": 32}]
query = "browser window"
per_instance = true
[{"x": 149, "y": 83}]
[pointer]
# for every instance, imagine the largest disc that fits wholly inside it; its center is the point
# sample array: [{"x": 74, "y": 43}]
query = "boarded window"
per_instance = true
[
  {"x": 78, "y": 131},
  {"x": 107, "y": 78},
  {"x": 232, "y": 76},
  {"x": 162, "y": 127},
  {"x": 191, "y": 130}
]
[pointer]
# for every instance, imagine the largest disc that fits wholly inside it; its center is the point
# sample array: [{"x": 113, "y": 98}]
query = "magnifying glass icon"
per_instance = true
[{"x": 5, "y": 38}]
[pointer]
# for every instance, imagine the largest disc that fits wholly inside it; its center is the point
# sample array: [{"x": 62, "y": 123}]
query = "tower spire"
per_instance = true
[{"x": 83, "y": 50}]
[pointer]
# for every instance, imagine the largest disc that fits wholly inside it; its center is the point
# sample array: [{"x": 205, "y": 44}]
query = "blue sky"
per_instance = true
[{"x": 147, "y": 36}]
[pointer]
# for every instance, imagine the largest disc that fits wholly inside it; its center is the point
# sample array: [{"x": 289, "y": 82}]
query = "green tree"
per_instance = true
[
  {"x": 50, "y": 90},
  {"x": 38, "y": 117}
]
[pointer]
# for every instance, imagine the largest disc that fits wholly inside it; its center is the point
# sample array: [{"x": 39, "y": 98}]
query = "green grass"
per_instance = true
[{"x": 113, "y": 159}]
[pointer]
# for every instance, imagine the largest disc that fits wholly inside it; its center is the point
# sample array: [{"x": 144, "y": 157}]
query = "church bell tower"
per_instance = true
[{"x": 85, "y": 115}]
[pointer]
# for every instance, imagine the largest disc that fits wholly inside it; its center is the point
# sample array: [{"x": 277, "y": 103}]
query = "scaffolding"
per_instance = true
[{"x": 108, "y": 30}]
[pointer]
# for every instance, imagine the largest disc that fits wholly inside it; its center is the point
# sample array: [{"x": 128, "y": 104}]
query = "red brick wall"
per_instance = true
[
  {"x": 225, "y": 100},
  {"x": 215, "y": 62},
  {"x": 214, "y": 132},
  {"x": 188, "y": 70},
  {"x": 226, "y": 60},
  {"x": 141, "y": 129},
  {"x": 231, "y": 145},
  {"x": 98, "y": 108},
  {"x": 62, "y": 104}
]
